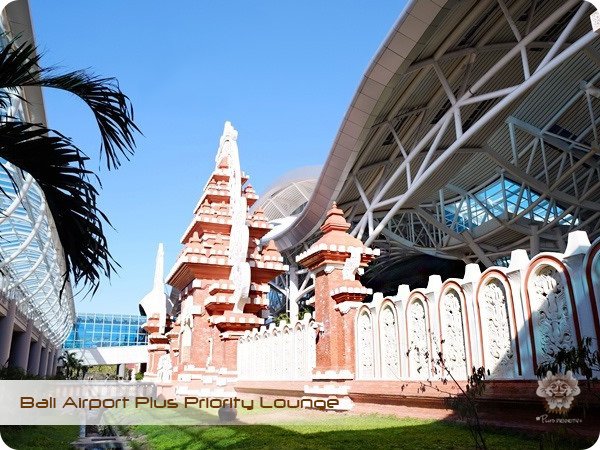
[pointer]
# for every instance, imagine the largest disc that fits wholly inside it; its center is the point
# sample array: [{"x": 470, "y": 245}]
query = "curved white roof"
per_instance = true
[
  {"x": 287, "y": 195},
  {"x": 472, "y": 131}
]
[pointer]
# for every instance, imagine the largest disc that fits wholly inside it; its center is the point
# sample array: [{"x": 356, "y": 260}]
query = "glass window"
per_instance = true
[
  {"x": 501, "y": 197},
  {"x": 106, "y": 330}
]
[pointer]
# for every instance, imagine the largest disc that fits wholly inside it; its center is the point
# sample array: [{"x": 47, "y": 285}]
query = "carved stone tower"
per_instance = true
[
  {"x": 222, "y": 275},
  {"x": 337, "y": 259}
]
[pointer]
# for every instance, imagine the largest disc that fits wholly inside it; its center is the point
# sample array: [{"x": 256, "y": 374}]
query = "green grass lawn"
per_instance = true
[
  {"x": 341, "y": 432},
  {"x": 337, "y": 432},
  {"x": 39, "y": 437}
]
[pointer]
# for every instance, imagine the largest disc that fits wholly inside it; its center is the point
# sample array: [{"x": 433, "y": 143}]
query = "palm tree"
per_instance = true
[
  {"x": 57, "y": 164},
  {"x": 70, "y": 364}
]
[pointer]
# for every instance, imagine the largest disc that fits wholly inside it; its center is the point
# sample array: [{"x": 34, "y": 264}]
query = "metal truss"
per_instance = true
[
  {"x": 547, "y": 186},
  {"x": 31, "y": 267},
  {"x": 292, "y": 289}
]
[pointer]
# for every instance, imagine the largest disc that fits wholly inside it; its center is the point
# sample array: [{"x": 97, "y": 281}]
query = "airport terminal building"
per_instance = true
[
  {"x": 457, "y": 214},
  {"x": 36, "y": 308}
]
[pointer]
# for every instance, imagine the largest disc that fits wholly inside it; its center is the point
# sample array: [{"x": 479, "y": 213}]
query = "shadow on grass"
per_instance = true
[
  {"x": 34, "y": 437},
  {"x": 332, "y": 431},
  {"x": 350, "y": 432}
]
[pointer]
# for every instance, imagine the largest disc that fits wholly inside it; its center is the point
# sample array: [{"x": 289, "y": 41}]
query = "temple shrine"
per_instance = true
[
  {"x": 353, "y": 345},
  {"x": 222, "y": 276}
]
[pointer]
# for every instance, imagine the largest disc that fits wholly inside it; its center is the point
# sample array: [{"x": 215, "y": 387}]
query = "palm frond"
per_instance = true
[
  {"x": 112, "y": 109},
  {"x": 59, "y": 169}
]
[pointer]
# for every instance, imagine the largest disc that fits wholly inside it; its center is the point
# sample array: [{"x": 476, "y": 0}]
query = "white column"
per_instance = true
[
  {"x": 293, "y": 293},
  {"x": 20, "y": 352},
  {"x": 534, "y": 241},
  {"x": 33, "y": 366},
  {"x": 57, "y": 353},
  {"x": 7, "y": 324},
  {"x": 43, "y": 361},
  {"x": 50, "y": 361}
]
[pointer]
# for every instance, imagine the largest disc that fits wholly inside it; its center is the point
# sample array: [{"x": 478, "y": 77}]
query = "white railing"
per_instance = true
[{"x": 284, "y": 352}]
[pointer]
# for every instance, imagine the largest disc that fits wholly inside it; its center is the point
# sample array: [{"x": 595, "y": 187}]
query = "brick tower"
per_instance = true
[
  {"x": 222, "y": 275},
  {"x": 337, "y": 259}
]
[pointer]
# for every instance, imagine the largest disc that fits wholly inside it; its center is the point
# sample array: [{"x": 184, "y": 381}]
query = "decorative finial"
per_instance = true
[
  {"x": 335, "y": 220},
  {"x": 271, "y": 249}
]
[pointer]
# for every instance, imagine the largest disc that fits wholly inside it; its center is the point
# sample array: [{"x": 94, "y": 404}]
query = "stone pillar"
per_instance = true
[
  {"x": 33, "y": 365},
  {"x": 158, "y": 343},
  {"x": 338, "y": 260},
  {"x": 54, "y": 367},
  {"x": 534, "y": 240},
  {"x": 516, "y": 271},
  {"x": 293, "y": 293},
  {"x": 50, "y": 361},
  {"x": 19, "y": 355},
  {"x": 155, "y": 351},
  {"x": 335, "y": 348},
  {"x": 43, "y": 361},
  {"x": 7, "y": 324}
]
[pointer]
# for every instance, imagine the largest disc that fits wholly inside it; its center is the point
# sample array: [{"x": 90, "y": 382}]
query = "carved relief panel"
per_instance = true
[
  {"x": 453, "y": 335},
  {"x": 390, "y": 358},
  {"x": 365, "y": 358},
  {"x": 299, "y": 352},
  {"x": 498, "y": 341},
  {"x": 418, "y": 343},
  {"x": 550, "y": 313}
]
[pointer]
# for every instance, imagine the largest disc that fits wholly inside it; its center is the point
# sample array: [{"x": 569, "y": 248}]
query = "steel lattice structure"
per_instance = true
[
  {"x": 31, "y": 260},
  {"x": 483, "y": 142},
  {"x": 473, "y": 132},
  {"x": 32, "y": 266}
]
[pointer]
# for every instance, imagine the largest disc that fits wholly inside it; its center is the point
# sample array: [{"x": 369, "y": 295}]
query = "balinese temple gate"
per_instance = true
[
  {"x": 358, "y": 346},
  {"x": 222, "y": 274}
]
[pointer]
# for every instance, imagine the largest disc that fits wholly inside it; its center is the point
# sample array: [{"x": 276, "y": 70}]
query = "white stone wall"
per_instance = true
[
  {"x": 507, "y": 320},
  {"x": 284, "y": 352}
]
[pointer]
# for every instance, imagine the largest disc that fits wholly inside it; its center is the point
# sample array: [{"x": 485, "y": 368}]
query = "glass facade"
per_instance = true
[
  {"x": 501, "y": 197},
  {"x": 107, "y": 330},
  {"x": 30, "y": 252}
]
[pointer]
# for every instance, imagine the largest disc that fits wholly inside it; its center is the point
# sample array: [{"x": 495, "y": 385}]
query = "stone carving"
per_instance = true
[
  {"x": 240, "y": 235},
  {"x": 275, "y": 344},
  {"x": 299, "y": 351},
  {"x": 209, "y": 358},
  {"x": 352, "y": 264},
  {"x": 287, "y": 355},
  {"x": 418, "y": 348},
  {"x": 165, "y": 368},
  {"x": 310, "y": 338},
  {"x": 257, "y": 368},
  {"x": 366, "y": 368},
  {"x": 389, "y": 351},
  {"x": 550, "y": 314},
  {"x": 453, "y": 335},
  {"x": 499, "y": 355},
  {"x": 156, "y": 301},
  {"x": 187, "y": 323}
]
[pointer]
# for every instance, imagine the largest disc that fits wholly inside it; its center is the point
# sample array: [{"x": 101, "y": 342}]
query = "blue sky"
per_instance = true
[{"x": 282, "y": 72}]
